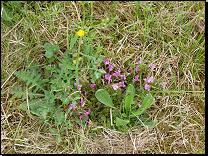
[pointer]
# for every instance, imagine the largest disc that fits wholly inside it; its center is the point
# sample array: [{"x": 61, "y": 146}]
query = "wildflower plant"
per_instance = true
[
  {"x": 127, "y": 110},
  {"x": 56, "y": 90}
]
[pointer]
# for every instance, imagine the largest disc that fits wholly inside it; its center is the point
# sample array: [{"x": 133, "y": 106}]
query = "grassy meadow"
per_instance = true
[{"x": 168, "y": 34}]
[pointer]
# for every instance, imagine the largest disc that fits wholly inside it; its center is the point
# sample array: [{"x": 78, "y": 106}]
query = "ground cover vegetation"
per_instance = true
[{"x": 102, "y": 77}]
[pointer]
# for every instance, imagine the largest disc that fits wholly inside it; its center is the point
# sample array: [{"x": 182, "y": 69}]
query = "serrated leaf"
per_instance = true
[
  {"x": 59, "y": 117},
  {"x": 43, "y": 113},
  {"x": 120, "y": 122},
  {"x": 49, "y": 53},
  {"x": 103, "y": 96}
]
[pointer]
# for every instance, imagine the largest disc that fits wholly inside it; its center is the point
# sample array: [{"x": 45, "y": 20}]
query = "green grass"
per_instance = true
[{"x": 170, "y": 35}]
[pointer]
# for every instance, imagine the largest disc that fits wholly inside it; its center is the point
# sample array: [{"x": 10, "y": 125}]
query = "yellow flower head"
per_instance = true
[{"x": 81, "y": 32}]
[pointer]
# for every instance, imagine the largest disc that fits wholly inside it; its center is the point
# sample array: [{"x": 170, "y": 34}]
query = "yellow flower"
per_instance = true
[{"x": 81, "y": 32}]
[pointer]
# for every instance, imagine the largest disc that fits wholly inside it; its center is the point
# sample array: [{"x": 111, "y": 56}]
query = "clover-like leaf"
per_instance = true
[
  {"x": 49, "y": 53},
  {"x": 48, "y": 46},
  {"x": 55, "y": 48}
]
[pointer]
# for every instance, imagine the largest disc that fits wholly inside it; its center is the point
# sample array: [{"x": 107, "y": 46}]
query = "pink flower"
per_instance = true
[
  {"x": 137, "y": 69},
  {"x": 79, "y": 86},
  {"x": 75, "y": 83},
  {"x": 106, "y": 61},
  {"x": 81, "y": 117},
  {"x": 123, "y": 76},
  {"x": 132, "y": 70},
  {"x": 110, "y": 67},
  {"x": 90, "y": 122},
  {"x": 117, "y": 73},
  {"x": 92, "y": 85},
  {"x": 115, "y": 86},
  {"x": 82, "y": 102},
  {"x": 147, "y": 87},
  {"x": 68, "y": 87},
  {"x": 163, "y": 84},
  {"x": 85, "y": 93},
  {"x": 148, "y": 80},
  {"x": 108, "y": 77},
  {"x": 87, "y": 113},
  {"x": 136, "y": 78},
  {"x": 151, "y": 66},
  {"x": 72, "y": 106},
  {"x": 140, "y": 61},
  {"x": 121, "y": 84}
]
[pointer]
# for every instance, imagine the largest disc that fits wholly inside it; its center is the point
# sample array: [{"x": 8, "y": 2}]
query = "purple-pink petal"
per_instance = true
[
  {"x": 79, "y": 86},
  {"x": 108, "y": 77},
  {"x": 121, "y": 84},
  {"x": 151, "y": 66},
  {"x": 136, "y": 78},
  {"x": 81, "y": 117},
  {"x": 72, "y": 106},
  {"x": 115, "y": 87},
  {"x": 92, "y": 85},
  {"x": 137, "y": 69},
  {"x": 150, "y": 79},
  {"x": 140, "y": 61},
  {"x": 147, "y": 87},
  {"x": 132, "y": 70},
  {"x": 117, "y": 73},
  {"x": 110, "y": 67},
  {"x": 106, "y": 61},
  {"x": 123, "y": 76},
  {"x": 82, "y": 102}
]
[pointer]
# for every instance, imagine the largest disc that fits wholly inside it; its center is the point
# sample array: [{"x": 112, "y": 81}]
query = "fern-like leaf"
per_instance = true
[{"x": 32, "y": 78}]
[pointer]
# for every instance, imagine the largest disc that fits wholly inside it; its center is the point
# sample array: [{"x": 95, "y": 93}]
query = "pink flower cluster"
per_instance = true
[
  {"x": 116, "y": 74},
  {"x": 148, "y": 80}
]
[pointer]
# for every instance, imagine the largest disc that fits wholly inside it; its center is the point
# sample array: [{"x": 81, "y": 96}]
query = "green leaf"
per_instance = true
[
  {"x": 148, "y": 101},
  {"x": 58, "y": 138},
  {"x": 47, "y": 46},
  {"x": 130, "y": 97},
  {"x": 97, "y": 75},
  {"x": 128, "y": 101},
  {"x": 43, "y": 113},
  {"x": 120, "y": 122},
  {"x": 151, "y": 124},
  {"x": 59, "y": 118},
  {"x": 103, "y": 96},
  {"x": 49, "y": 53},
  {"x": 73, "y": 41},
  {"x": 53, "y": 131},
  {"x": 55, "y": 48}
]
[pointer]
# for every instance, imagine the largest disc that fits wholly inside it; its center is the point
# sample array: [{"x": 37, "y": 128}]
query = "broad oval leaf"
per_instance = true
[
  {"x": 120, "y": 122},
  {"x": 103, "y": 96}
]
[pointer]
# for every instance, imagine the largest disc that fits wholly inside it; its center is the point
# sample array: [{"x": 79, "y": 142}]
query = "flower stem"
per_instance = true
[{"x": 77, "y": 62}]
